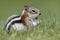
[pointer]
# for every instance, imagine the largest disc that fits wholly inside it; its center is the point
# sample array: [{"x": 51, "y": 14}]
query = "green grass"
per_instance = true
[{"x": 48, "y": 29}]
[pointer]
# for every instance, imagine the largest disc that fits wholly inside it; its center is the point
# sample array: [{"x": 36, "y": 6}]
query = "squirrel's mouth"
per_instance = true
[{"x": 36, "y": 18}]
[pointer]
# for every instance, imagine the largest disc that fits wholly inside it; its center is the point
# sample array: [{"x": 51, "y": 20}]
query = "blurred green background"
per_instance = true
[{"x": 49, "y": 28}]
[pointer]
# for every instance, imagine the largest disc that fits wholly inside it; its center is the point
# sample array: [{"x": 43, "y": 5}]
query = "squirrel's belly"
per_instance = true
[{"x": 18, "y": 26}]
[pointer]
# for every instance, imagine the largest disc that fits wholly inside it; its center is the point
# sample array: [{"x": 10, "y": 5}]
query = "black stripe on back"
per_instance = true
[{"x": 11, "y": 19}]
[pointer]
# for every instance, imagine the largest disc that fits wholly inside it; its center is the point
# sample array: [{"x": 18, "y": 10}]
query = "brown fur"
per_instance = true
[{"x": 24, "y": 18}]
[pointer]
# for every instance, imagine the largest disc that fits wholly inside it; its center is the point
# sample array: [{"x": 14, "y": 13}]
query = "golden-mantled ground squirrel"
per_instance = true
[{"x": 27, "y": 18}]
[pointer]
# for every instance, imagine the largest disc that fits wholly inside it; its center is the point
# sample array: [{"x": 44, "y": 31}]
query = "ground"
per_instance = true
[{"x": 48, "y": 29}]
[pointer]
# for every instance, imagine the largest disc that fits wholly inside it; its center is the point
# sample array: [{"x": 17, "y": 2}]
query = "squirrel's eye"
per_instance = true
[{"x": 33, "y": 10}]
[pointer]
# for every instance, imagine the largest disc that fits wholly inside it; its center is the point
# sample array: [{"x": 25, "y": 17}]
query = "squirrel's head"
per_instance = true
[{"x": 31, "y": 11}]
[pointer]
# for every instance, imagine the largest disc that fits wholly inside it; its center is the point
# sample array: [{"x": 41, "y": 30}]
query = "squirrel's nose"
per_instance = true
[{"x": 40, "y": 14}]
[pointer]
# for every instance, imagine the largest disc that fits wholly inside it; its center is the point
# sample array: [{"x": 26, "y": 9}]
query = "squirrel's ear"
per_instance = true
[{"x": 26, "y": 7}]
